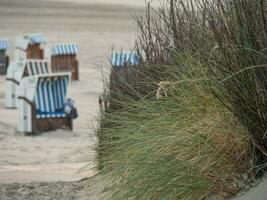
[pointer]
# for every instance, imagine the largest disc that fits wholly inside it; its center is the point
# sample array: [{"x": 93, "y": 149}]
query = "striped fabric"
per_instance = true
[
  {"x": 36, "y": 67},
  {"x": 50, "y": 97},
  {"x": 65, "y": 49},
  {"x": 36, "y": 38},
  {"x": 121, "y": 59},
  {"x": 4, "y": 44}
]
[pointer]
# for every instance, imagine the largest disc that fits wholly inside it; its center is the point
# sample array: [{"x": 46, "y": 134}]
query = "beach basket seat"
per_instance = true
[
  {"x": 4, "y": 59},
  {"x": 41, "y": 103},
  {"x": 16, "y": 72},
  {"x": 120, "y": 59},
  {"x": 30, "y": 46},
  {"x": 64, "y": 59}
]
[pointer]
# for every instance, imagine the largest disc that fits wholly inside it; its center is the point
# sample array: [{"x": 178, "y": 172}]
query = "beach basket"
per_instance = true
[
  {"x": 120, "y": 59},
  {"x": 121, "y": 63},
  {"x": 41, "y": 103},
  {"x": 29, "y": 46},
  {"x": 4, "y": 59},
  {"x": 64, "y": 59},
  {"x": 16, "y": 72}
]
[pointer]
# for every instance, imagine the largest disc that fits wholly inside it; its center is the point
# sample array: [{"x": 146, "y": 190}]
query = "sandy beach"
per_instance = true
[{"x": 49, "y": 163}]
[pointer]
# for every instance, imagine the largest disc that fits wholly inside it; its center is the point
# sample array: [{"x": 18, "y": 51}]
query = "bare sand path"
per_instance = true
[{"x": 59, "y": 155}]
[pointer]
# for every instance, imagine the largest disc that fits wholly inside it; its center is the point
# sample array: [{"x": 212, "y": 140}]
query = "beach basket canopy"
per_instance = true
[
  {"x": 51, "y": 96},
  {"x": 120, "y": 59},
  {"x": 4, "y": 44},
  {"x": 65, "y": 49},
  {"x": 22, "y": 42}
]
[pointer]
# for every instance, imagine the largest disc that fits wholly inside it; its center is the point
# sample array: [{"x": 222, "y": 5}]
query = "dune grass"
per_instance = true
[
  {"x": 189, "y": 121},
  {"x": 182, "y": 146},
  {"x": 239, "y": 65}
]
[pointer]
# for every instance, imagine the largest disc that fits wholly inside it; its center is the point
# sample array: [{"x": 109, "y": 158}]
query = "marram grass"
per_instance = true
[
  {"x": 183, "y": 143},
  {"x": 182, "y": 146}
]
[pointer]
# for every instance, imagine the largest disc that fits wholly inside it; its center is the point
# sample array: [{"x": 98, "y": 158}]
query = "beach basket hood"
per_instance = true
[
  {"x": 65, "y": 49},
  {"x": 4, "y": 44},
  {"x": 119, "y": 59}
]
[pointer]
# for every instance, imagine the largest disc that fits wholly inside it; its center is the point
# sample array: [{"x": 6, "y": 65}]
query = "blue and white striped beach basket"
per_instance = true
[
  {"x": 124, "y": 58},
  {"x": 45, "y": 95}
]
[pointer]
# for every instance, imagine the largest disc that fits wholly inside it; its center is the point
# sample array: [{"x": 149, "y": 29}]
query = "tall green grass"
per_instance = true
[
  {"x": 189, "y": 121},
  {"x": 239, "y": 65},
  {"x": 182, "y": 146}
]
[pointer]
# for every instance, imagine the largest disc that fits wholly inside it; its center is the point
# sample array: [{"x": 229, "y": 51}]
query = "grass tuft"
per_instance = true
[{"x": 184, "y": 145}]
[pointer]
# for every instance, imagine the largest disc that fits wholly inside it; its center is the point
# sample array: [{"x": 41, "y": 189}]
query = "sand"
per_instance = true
[
  {"x": 131, "y": 3},
  {"x": 44, "y": 191},
  {"x": 47, "y": 165},
  {"x": 258, "y": 192}
]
